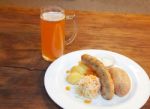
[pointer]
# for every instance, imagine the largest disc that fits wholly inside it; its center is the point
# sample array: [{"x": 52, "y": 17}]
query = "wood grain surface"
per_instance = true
[{"x": 22, "y": 68}]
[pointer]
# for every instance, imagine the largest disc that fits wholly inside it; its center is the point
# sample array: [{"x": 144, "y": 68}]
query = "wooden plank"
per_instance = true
[{"x": 23, "y": 89}]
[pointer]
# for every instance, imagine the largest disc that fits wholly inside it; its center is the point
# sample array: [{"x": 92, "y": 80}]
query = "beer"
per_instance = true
[{"x": 52, "y": 34}]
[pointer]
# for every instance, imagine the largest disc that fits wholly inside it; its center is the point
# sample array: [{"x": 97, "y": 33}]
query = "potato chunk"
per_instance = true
[{"x": 73, "y": 78}]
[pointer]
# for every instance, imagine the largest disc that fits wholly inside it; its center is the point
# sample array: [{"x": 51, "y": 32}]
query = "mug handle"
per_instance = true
[{"x": 72, "y": 37}]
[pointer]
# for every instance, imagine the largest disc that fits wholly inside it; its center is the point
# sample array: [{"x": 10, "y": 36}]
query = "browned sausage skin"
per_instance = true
[{"x": 107, "y": 89}]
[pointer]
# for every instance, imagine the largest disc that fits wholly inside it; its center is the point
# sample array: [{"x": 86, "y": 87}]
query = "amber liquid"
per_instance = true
[{"x": 52, "y": 36}]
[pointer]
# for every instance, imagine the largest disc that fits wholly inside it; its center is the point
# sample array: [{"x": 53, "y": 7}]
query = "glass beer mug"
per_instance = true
[{"x": 53, "y": 39}]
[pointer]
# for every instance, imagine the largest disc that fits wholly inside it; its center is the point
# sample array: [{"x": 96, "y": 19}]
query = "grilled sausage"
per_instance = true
[{"x": 107, "y": 86}]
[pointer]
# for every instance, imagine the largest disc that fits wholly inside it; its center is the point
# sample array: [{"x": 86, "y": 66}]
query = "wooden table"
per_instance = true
[{"x": 22, "y": 68}]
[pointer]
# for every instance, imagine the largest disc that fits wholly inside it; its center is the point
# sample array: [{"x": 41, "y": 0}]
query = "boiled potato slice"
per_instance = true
[
  {"x": 83, "y": 66},
  {"x": 73, "y": 78},
  {"x": 74, "y": 69},
  {"x": 68, "y": 71},
  {"x": 78, "y": 69}
]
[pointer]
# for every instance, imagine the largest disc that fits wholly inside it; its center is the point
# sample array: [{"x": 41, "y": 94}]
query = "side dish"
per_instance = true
[
  {"x": 121, "y": 81},
  {"x": 88, "y": 86}
]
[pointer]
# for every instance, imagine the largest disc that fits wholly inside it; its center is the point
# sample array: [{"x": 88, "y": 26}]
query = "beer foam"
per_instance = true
[{"x": 53, "y": 16}]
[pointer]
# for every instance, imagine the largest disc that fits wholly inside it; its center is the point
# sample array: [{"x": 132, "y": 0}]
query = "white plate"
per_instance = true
[{"x": 55, "y": 83}]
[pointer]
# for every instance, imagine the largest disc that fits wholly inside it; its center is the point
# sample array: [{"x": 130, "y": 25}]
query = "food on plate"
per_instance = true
[
  {"x": 82, "y": 69},
  {"x": 121, "y": 81},
  {"x": 73, "y": 78},
  {"x": 89, "y": 86},
  {"x": 87, "y": 101},
  {"x": 68, "y": 88},
  {"x": 78, "y": 69},
  {"x": 88, "y": 70},
  {"x": 107, "y": 86},
  {"x": 108, "y": 61},
  {"x": 76, "y": 72},
  {"x": 92, "y": 77}
]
